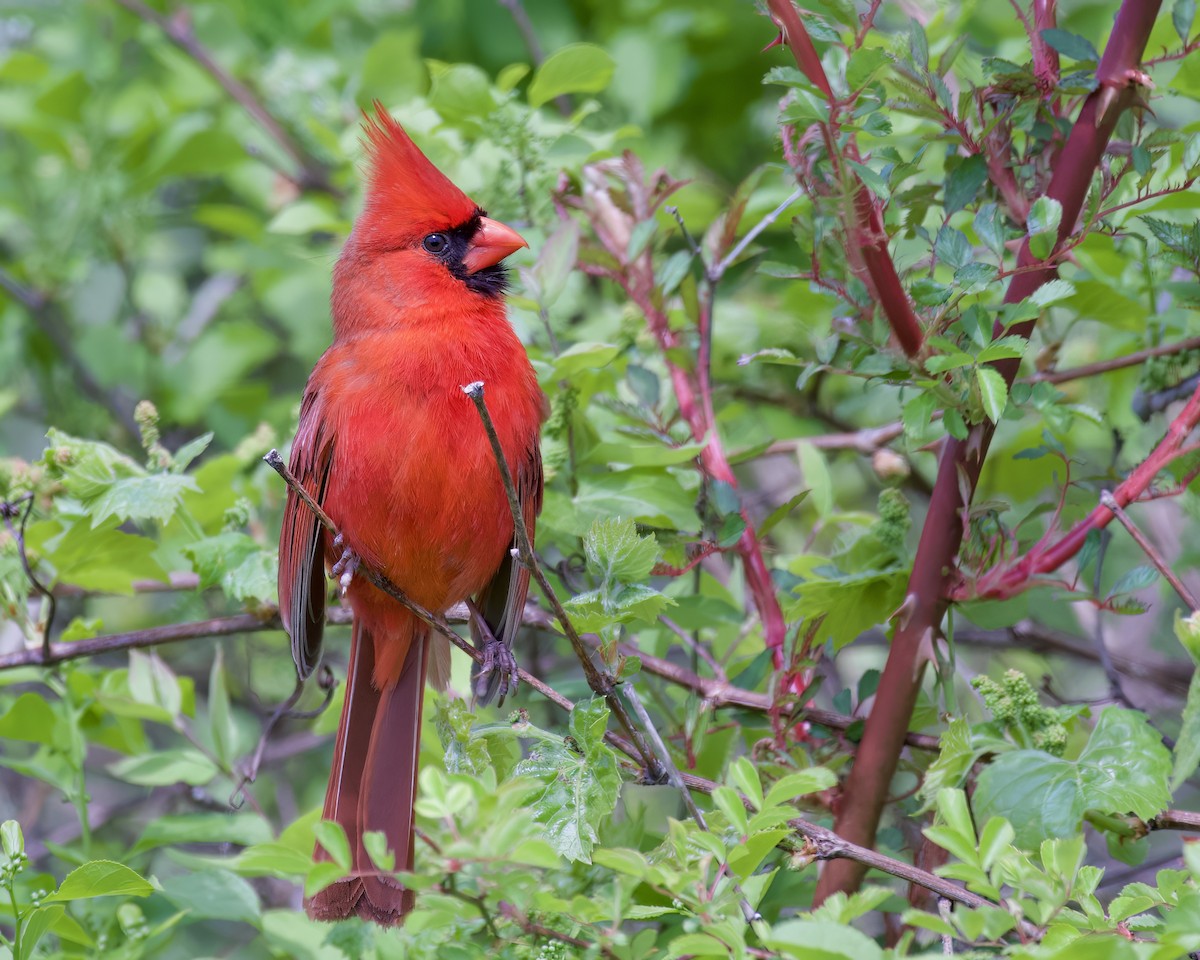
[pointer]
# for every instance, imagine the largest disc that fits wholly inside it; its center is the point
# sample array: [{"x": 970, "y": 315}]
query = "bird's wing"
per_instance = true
[
  {"x": 301, "y": 539},
  {"x": 502, "y": 601}
]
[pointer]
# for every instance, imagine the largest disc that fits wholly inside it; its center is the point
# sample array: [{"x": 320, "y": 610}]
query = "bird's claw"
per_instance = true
[
  {"x": 346, "y": 565},
  {"x": 497, "y": 658}
]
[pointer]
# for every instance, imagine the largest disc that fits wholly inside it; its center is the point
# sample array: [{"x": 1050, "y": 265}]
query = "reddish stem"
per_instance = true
[
  {"x": 866, "y": 788},
  {"x": 868, "y": 233},
  {"x": 1050, "y": 558}
]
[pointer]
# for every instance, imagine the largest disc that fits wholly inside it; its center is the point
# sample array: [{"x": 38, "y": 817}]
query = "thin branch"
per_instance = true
[
  {"x": 600, "y": 682},
  {"x": 1151, "y": 551},
  {"x": 8, "y": 511},
  {"x": 249, "y": 771},
  {"x": 311, "y": 174},
  {"x": 1047, "y": 559},
  {"x": 717, "y": 271},
  {"x": 509, "y": 912},
  {"x": 1116, "y": 363}
]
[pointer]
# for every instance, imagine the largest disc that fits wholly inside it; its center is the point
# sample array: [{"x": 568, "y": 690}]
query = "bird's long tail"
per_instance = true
[{"x": 373, "y": 783}]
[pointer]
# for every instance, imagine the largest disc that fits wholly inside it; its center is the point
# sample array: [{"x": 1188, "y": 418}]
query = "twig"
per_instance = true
[
  {"x": 509, "y": 912},
  {"x": 1156, "y": 558},
  {"x": 177, "y": 28},
  {"x": 717, "y": 270},
  {"x": 1116, "y": 363},
  {"x": 717, "y": 694},
  {"x": 8, "y": 511},
  {"x": 600, "y": 682},
  {"x": 249, "y": 772},
  {"x": 674, "y": 778},
  {"x": 1044, "y": 560}
]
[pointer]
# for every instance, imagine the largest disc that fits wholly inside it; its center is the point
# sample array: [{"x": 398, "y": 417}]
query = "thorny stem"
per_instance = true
[
  {"x": 866, "y": 788},
  {"x": 599, "y": 681},
  {"x": 1047, "y": 559},
  {"x": 868, "y": 229}
]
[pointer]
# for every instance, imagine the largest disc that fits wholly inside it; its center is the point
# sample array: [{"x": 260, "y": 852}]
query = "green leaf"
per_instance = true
[
  {"x": 575, "y": 68},
  {"x": 850, "y": 605},
  {"x": 222, "y": 729},
  {"x": 993, "y": 392},
  {"x": 1136, "y": 579},
  {"x": 101, "y": 878},
  {"x": 236, "y": 562},
  {"x": 1042, "y": 226},
  {"x": 582, "y": 781},
  {"x": 787, "y": 788},
  {"x": 332, "y": 836},
  {"x": 821, "y": 940},
  {"x": 583, "y": 356},
  {"x": 107, "y": 561},
  {"x": 1124, "y": 768},
  {"x": 29, "y": 718},
  {"x": 242, "y": 829},
  {"x": 1183, "y": 13},
  {"x": 963, "y": 185},
  {"x": 864, "y": 62},
  {"x": 616, "y": 553},
  {"x": 376, "y": 844},
  {"x": 35, "y": 925},
  {"x": 1070, "y": 44},
  {"x": 183, "y": 765},
  {"x": 214, "y": 894}
]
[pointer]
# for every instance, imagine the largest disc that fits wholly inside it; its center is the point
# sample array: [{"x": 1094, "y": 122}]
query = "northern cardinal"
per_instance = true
[{"x": 397, "y": 455}]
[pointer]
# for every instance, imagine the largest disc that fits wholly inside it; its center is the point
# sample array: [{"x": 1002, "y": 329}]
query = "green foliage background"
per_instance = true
[{"x": 156, "y": 246}]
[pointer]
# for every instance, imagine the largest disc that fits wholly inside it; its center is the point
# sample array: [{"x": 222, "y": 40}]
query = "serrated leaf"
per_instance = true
[
  {"x": 1052, "y": 292},
  {"x": 236, "y": 562},
  {"x": 582, "y": 782},
  {"x": 617, "y": 553},
  {"x": 963, "y": 185},
  {"x": 993, "y": 392},
  {"x": 1124, "y": 768},
  {"x": 1042, "y": 225}
]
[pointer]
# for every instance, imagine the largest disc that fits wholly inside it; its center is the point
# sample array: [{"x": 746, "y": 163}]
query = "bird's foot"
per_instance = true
[
  {"x": 346, "y": 565},
  {"x": 498, "y": 661},
  {"x": 497, "y": 658}
]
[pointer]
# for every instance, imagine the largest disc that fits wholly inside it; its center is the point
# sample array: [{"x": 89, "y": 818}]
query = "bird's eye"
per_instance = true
[{"x": 435, "y": 242}]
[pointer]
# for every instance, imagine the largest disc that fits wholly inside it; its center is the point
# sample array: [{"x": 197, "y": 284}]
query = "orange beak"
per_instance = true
[{"x": 493, "y": 241}]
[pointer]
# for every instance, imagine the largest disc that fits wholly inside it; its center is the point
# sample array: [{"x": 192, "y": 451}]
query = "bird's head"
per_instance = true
[{"x": 420, "y": 223}]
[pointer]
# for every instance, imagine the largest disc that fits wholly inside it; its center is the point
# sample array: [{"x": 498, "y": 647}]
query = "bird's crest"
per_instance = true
[{"x": 407, "y": 196}]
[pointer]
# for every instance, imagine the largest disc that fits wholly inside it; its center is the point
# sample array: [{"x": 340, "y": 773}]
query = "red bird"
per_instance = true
[{"x": 395, "y": 452}]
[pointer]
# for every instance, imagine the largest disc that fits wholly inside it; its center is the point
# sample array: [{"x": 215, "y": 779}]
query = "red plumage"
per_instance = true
[{"x": 395, "y": 452}]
